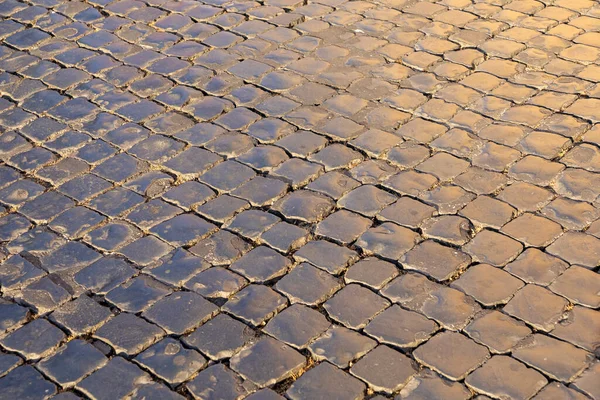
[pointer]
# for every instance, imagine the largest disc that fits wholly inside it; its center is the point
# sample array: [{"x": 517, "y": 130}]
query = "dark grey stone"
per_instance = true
[
  {"x": 73, "y": 256},
  {"x": 216, "y": 282},
  {"x": 297, "y": 325},
  {"x": 104, "y": 275},
  {"x": 37, "y": 387},
  {"x": 13, "y": 225},
  {"x": 12, "y": 316},
  {"x": 181, "y": 312},
  {"x": 113, "y": 235},
  {"x": 326, "y": 382},
  {"x": 216, "y": 382},
  {"x": 170, "y": 361},
  {"x": 17, "y": 272},
  {"x": 128, "y": 334},
  {"x": 137, "y": 294},
  {"x": 267, "y": 361},
  {"x": 34, "y": 340},
  {"x": 183, "y": 229},
  {"x": 76, "y": 222},
  {"x": 81, "y": 315},
  {"x": 72, "y": 362},
  {"x": 113, "y": 381},
  {"x": 220, "y": 337},
  {"x": 261, "y": 264},
  {"x": 255, "y": 304},
  {"x": 177, "y": 267}
]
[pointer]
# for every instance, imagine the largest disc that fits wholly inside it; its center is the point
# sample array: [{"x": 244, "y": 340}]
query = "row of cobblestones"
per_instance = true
[{"x": 320, "y": 199}]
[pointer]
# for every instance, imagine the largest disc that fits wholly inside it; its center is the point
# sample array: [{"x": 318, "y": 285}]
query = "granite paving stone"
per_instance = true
[
  {"x": 169, "y": 360},
  {"x": 334, "y": 184},
  {"x": 326, "y": 382},
  {"x": 154, "y": 391},
  {"x": 222, "y": 208},
  {"x": 220, "y": 337},
  {"x": 46, "y": 294},
  {"x": 261, "y": 264},
  {"x": 493, "y": 248},
  {"x": 343, "y": 227},
  {"x": 548, "y": 311},
  {"x": 116, "y": 379},
  {"x": 37, "y": 242},
  {"x": 388, "y": 241},
  {"x": 576, "y": 248},
  {"x": 9, "y": 362},
  {"x": 137, "y": 294},
  {"x": 401, "y": 328},
  {"x": 435, "y": 260},
  {"x": 297, "y": 325},
  {"x": 265, "y": 394},
  {"x": 448, "y": 228},
  {"x": 557, "y": 359},
  {"x": 465, "y": 355},
  {"x": 81, "y": 315},
  {"x": 150, "y": 183},
  {"x": 34, "y": 340},
  {"x": 571, "y": 214},
  {"x": 498, "y": 331},
  {"x": 367, "y": 200},
  {"x": 578, "y": 328},
  {"x": 128, "y": 334},
  {"x": 18, "y": 272},
  {"x": 371, "y": 272},
  {"x": 255, "y": 304},
  {"x": 183, "y": 229},
  {"x": 340, "y": 346},
  {"x": 354, "y": 306},
  {"x": 76, "y": 222},
  {"x": 180, "y": 312},
  {"x": 585, "y": 382},
  {"x": 303, "y": 205},
  {"x": 138, "y": 251},
  {"x": 176, "y": 268},
  {"x": 281, "y": 361},
  {"x": 252, "y": 223},
  {"x": 384, "y": 369},
  {"x": 494, "y": 378},
  {"x": 323, "y": 198},
  {"x": 216, "y": 381},
  {"x": 220, "y": 248},
  {"x": 37, "y": 387},
  {"x": 285, "y": 237},
  {"x": 488, "y": 285},
  {"x": 535, "y": 266},
  {"x": 557, "y": 390},
  {"x": 578, "y": 285},
  {"x": 428, "y": 384},
  {"x": 307, "y": 284},
  {"x": 227, "y": 176},
  {"x": 449, "y": 307},
  {"x": 104, "y": 275},
  {"x": 260, "y": 191},
  {"x": 72, "y": 362},
  {"x": 406, "y": 212}
]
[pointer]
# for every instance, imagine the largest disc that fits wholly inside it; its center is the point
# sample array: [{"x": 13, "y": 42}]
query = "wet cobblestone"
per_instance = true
[{"x": 299, "y": 199}]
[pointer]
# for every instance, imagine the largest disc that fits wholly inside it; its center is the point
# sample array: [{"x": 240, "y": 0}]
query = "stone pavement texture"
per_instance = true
[{"x": 320, "y": 199}]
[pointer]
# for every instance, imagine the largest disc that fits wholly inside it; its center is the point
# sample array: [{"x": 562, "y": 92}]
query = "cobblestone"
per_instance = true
[
  {"x": 320, "y": 199},
  {"x": 170, "y": 361}
]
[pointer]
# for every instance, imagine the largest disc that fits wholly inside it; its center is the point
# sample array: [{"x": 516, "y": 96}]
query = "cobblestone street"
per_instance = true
[{"x": 300, "y": 199}]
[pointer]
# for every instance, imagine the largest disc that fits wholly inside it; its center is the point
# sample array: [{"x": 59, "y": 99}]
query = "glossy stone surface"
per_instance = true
[{"x": 299, "y": 199}]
